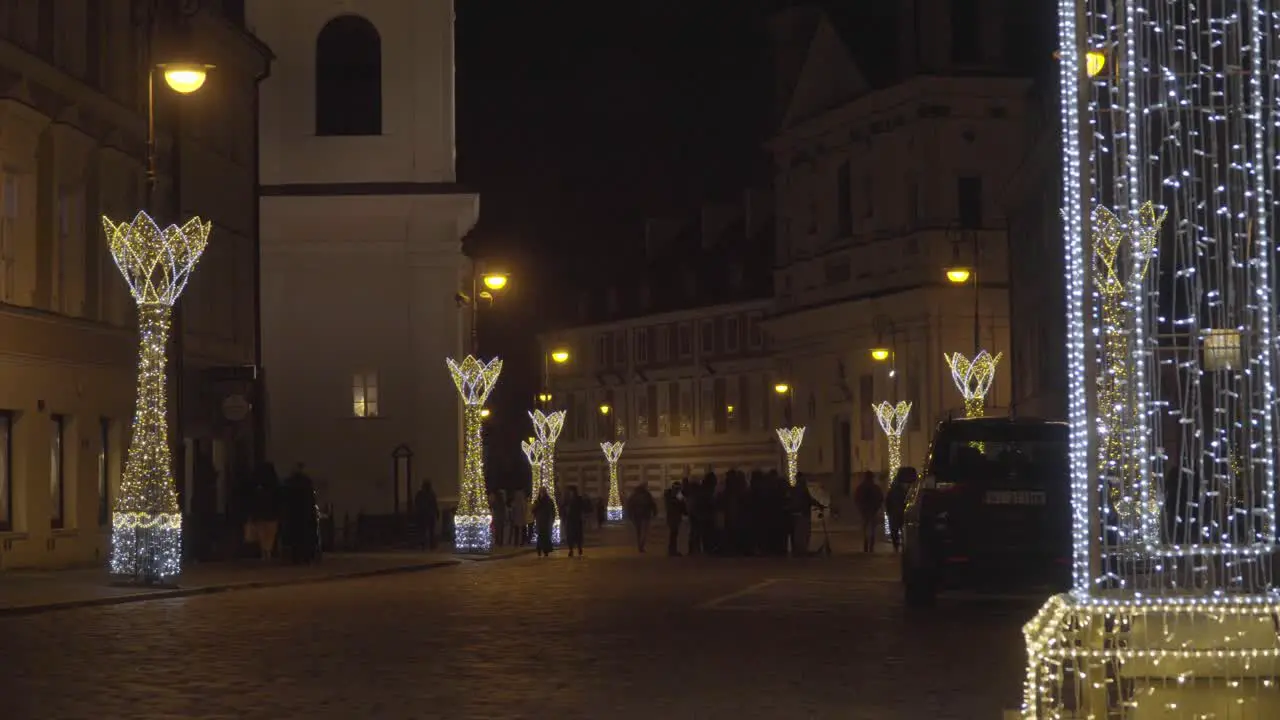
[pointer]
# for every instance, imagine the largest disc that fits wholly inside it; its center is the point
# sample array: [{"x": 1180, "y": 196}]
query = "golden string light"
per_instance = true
[
  {"x": 546, "y": 428},
  {"x": 474, "y": 380},
  {"x": 973, "y": 378},
  {"x": 893, "y": 421},
  {"x": 613, "y": 451},
  {"x": 146, "y": 522},
  {"x": 1116, "y": 412},
  {"x": 791, "y": 438}
]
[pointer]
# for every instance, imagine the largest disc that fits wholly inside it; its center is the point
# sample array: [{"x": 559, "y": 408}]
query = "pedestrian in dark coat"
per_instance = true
[
  {"x": 572, "y": 520},
  {"x": 544, "y": 518}
]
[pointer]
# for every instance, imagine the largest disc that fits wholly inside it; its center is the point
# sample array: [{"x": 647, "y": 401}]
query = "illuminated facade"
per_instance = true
[
  {"x": 688, "y": 382},
  {"x": 362, "y": 220},
  {"x": 889, "y": 164},
  {"x": 72, "y": 147}
]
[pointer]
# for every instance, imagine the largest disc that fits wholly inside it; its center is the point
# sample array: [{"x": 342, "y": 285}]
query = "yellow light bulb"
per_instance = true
[{"x": 185, "y": 78}]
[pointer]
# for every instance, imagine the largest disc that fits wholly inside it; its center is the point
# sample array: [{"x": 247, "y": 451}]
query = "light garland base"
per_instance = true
[
  {"x": 614, "y": 513},
  {"x": 145, "y": 547},
  {"x": 1180, "y": 657},
  {"x": 472, "y": 534}
]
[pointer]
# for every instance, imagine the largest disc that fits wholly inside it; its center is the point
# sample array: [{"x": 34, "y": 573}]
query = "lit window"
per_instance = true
[{"x": 364, "y": 395}]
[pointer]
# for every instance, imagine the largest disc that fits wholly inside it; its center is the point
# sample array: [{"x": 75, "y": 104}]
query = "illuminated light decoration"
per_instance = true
[
  {"x": 546, "y": 428},
  {"x": 973, "y": 378},
  {"x": 146, "y": 522},
  {"x": 533, "y": 453},
  {"x": 613, "y": 451},
  {"x": 472, "y": 520},
  {"x": 893, "y": 421},
  {"x": 791, "y": 438},
  {"x": 1113, "y": 240},
  {"x": 1186, "y": 626}
]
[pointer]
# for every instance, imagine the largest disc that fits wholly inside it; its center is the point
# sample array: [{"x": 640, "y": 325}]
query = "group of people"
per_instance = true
[
  {"x": 756, "y": 515},
  {"x": 283, "y": 518}
]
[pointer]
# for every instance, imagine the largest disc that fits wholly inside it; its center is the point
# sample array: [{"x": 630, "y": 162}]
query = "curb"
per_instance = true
[{"x": 229, "y": 587}]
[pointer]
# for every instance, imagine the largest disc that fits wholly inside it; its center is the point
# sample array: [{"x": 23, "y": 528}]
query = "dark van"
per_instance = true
[{"x": 991, "y": 509}]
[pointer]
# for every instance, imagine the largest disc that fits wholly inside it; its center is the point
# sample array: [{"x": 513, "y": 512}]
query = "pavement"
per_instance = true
[{"x": 614, "y": 635}]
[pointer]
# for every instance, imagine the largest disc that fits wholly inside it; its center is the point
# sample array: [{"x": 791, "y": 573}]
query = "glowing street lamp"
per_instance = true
[
  {"x": 791, "y": 438},
  {"x": 782, "y": 389},
  {"x": 958, "y": 275},
  {"x": 613, "y": 451},
  {"x": 484, "y": 412},
  {"x": 560, "y": 356},
  {"x": 146, "y": 522},
  {"x": 495, "y": 281},
  {"x": 880, "y": 354},
  {"x": 475, "y": 380},
  {"x": 185, "y": 78}
]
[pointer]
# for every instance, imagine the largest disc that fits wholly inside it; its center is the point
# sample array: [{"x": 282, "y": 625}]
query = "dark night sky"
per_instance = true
[{"x": 576, "y": 120}]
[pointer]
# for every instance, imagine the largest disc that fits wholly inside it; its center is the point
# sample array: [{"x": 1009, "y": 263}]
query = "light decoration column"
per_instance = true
[
  {"x": 472, "y": 521},
  {"x": 546, "y": 430},
  {"x": 1181, "y": 619},
  {"x": 146, "y": 522},
  {"x": 613, "y": 451},
  {"x": 893, "y": 420},
  {"x": 791, "y": 438},
  {"x": 533, "y": 453},
  {"x": 973, "y": 378}
]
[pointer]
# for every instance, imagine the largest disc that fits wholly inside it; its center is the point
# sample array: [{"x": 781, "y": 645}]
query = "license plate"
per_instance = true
[{"x": 1014, "y": 497}]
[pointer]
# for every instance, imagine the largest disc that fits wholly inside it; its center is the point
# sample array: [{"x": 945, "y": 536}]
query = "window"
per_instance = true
[
  {"x": 720, "y": 403},
  {"x": 708, "y": 407},
  {"x": 620, "y": 349},
  {"x": 348, "y": 78},
  {"x": 673, "y": 406},
  {"x": 642, "y": 345},
  {"x": 364, "y": 395},
  {"x": 844, "y": 201},
  {"x": 57, "y": 477},
  {"x": 686, "y": 407},
  {"x": 6, "y": 470},
  {"x": 656, "y": 412},
  {"x": 966, "y": 31},
  {"x": 745, "y": 400},
  {"x": 642, "y": 411},
  {"x": 68, "y": 275},
  {"x": 755, "y": 333},
  {"x": 731, "y": 336},
  {"x": 708, "y": 337},
  {"x": 664, "y": 343},
  {"x": 684, "y": 340},
  {"x": 866, "y": 389},
  {"x": 104, "y": 471},
  {"x": 8, "y": 235},
  {"x": 602, "y": 352},
  {"x": 969, "y": 202}
]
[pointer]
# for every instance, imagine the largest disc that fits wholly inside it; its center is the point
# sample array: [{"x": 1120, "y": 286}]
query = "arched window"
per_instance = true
[{"x": 348, "y": 78}]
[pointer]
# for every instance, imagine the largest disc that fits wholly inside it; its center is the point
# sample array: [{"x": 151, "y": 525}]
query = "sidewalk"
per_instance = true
[{"x": 31, "y": 591}]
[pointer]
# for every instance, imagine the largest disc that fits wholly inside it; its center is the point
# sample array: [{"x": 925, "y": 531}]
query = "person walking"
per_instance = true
[
  {"x": 674, "y": 501},
  {"x": 572, "y": 518},
  {"x": 640, "y": 511},
  {"x": 869, "y": 499},
  {"x": 895, "y": 503},
  {"x": 801, "y": 506},
  {"x": 428, "y": 509},
  {"x": 544, "y": 517}
]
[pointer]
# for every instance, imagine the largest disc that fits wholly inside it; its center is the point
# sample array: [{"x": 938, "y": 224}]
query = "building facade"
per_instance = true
[
  {"x": 686, "y": 381},
  {"x": 361, "y": 222},
  {"x": 890, "y": 164},
  {"x": 73, "y": 129}
]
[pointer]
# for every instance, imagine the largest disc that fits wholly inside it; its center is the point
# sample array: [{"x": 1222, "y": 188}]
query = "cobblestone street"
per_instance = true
[{"x": 613, "y": 635}]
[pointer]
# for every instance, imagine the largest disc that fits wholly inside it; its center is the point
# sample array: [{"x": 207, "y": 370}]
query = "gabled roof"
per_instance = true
[{"x": 852, "y": 52}]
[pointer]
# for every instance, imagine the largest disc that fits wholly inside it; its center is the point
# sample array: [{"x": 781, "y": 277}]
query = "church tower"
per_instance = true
[{"x": 361, "y": 223}]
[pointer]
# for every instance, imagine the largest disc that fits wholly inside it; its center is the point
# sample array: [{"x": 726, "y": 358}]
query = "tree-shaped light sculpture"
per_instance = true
[
  {"x": 472, "y": 522},
  {"x": 973, "y": 378},
  {"x": 146, "y": 522},
  {"x": 546, "y": 430},
  {"x": 533, "y": 453},
  {"x": 893, "y": 420},
  {"x": 791, "y": 438},
  {"x": 613, "y": 451},
  {"x": 1171, "y": 369}
]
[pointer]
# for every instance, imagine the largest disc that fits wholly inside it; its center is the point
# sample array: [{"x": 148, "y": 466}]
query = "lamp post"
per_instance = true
[
  {"x": 547, "y": 427},
  {"x": 475, "y": 380},
  {"x": 493, "y": 282},
  {"x": 559, "y": 356},
  {"x": 613, "y": 451}
]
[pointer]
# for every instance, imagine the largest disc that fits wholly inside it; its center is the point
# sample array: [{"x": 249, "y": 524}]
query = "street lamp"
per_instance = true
[
  {"x": 484, "y": 412},
  {"x": 959, "y": 274},
  {"x": 560, "y": 357},
  {"x": 605, "y": 409},
  {"x": 880, "y": 354},
  {"x": 494, "y": 282},
  {"x": 782, "y": 389}
]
